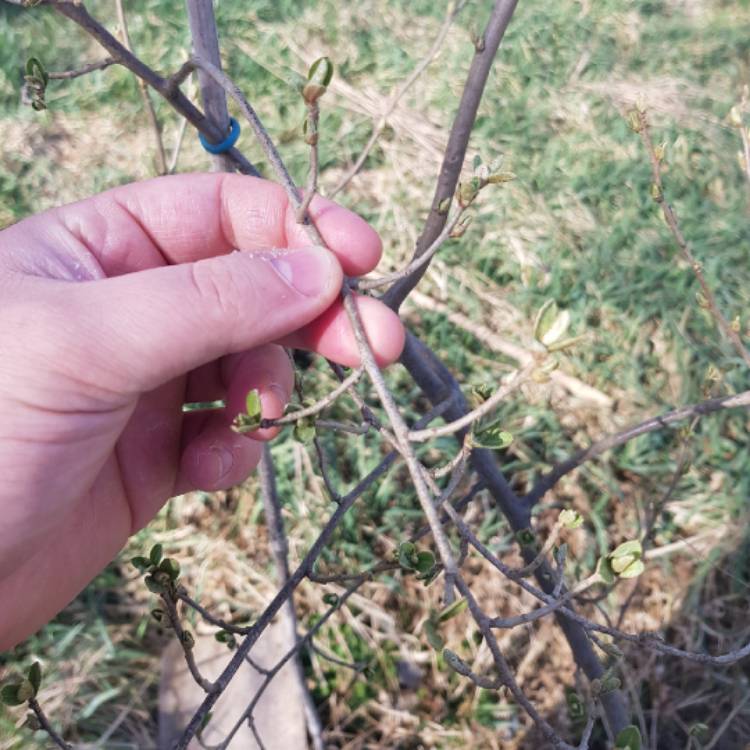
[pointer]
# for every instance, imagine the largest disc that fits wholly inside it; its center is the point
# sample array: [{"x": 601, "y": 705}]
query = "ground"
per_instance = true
[{"x": 577, "y": 225}]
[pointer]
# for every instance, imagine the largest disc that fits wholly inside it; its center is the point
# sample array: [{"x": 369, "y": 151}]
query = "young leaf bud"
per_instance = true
[
  {"x": 735, "y": 117},
  {"x": 318, "y": 78}
]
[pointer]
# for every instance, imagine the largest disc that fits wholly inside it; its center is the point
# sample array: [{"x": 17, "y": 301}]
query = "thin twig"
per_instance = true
[
  {"x": 172, "y": 167},
  {"x": 671, "y": 218},
  {"x": 551, "y": 478},
  {"x": 311, "y": 138},
  {"x": 727, "y": 721},
  {"x": 649, "y": 640},
  {"x": 186, "y": 642},
  {"x": 77, "y": 12},
  {"x": 281, "y": 597},
  {"x": 354, "y": 666},
  {"x": 186, "y": 599},
  {"x": 280, "y": 551},
  {"x": 46, "y": 726},
  {"x": 305, "y": 640},
  {"x": 205, "y": 41},
  {"x": 398, "y": 94},
  {"x": 323, "y": 463},
  {"x": 261, "y": 134},
  {"x": 437, "y": 382},
  {"x": 504, "y": 673},
  {"x": 417, "y": 263},
  {"x": 420, "y": 436},
  {"x": 318, "y": 406},
  {"x": 145, "y": 95},
  {"x": 66, "y": 75},
  {"x": 458, "y": 140}
]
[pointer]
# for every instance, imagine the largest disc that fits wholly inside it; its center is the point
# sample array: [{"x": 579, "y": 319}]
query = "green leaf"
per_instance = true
[
  {"x": 141, "y": 563},
  {"x": 35, "y": 69},
  {"x": 610, "y": 649},
  {"x": 544, "y": 319},
  {"x": 604, "y": 569},
  {"x": 557, "y": 330},
  {"x": 304, "y": 430},
  {"x": 330, "y": 599},
  {"x": 407, "y": 555},
  {"x": 700, "y": 731},
  {"x": 494, "y": 438},
  {"x": 9, "y": 694},
  {"x": 321, "y": 72},
  {"x": 453, "y": 609},
  {"x": 193, "y": 406},
  {"x": 431, "y": 632},
  {"x": 425, "y": 562},
  {"x": 155, "y": 554},
  {"x": 610, "y": 683},
  {"x": 476, "y": 162},
  {"x": 252, "y": 404},
  {"x": 632, "y": 548},
  {"x": 25, "y": 691},
  {"x": 466, "y": 192},
  {"x": 171, "y": 567},
  {"x": 153, "y": 585},
  {"x": 35, "y": 676},
  {"x": 481, "y": 392},
  {"x": 629, "y": 739},
  {"x": 633, "y": 570},
  {"x": 570, "y": 519},
  {"x": 619, "y": 564},
  {"x": 576, "y": 708},
  {"x": 500, "y": 177},
  {"x": 318, "y": 78}
]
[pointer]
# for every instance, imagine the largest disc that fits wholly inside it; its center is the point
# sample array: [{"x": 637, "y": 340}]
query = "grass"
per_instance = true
[{"x": 578, "y": 225}]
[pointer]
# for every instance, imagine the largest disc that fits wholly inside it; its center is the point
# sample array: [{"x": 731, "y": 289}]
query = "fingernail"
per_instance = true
[
  {"x": 215, "y": 464},
  {"x": 308, "y": 270}
]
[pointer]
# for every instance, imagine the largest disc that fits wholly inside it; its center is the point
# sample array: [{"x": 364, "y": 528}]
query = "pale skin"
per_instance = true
[{"x": 116, "y": 310}]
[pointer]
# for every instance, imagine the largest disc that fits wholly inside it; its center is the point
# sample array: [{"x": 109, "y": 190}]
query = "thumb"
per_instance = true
[{"x": 151, "y": 326}]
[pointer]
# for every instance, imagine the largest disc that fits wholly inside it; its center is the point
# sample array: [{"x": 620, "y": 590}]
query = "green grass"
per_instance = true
[{"x": 580, "y": 212}]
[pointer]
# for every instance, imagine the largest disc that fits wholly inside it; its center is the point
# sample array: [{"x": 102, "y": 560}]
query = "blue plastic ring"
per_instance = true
[{"x": 226, "y": 144}]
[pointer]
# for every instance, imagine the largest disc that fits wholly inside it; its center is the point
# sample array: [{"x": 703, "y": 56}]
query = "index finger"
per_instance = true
[{"x": 184, "y": 218}]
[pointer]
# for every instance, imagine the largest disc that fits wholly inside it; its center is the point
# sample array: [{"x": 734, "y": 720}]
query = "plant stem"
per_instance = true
[
  {"x": 205, "y": 40},
  {"x": 77, "y": 13},
  {"x": 46, "y": 726},
  {"x": 458, "y": 140},
  {"x": 279, "y": 552},
  {"x": 671, "y": 218},
  {"x": 398, "y": 94},
  {"x": 551, "y": 478},
  {"x": 145, "y": 95}
]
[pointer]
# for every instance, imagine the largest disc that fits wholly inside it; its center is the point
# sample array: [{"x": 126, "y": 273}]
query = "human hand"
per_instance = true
[{"x": 118, "y": 309}]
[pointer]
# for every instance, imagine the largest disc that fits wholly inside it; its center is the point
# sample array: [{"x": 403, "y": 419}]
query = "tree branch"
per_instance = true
[
  {"x": 145, "y": 95},
  {"x": 458, "y": 140},
  {"x": 657, "y": 193},
  {"x": 206, "y": 45},
  {"x": 279, "y": 552},
  {"x": 77, "y": 13},
  {"x": 398, "y": 94},
  {"x": 551, "y": 478}
]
